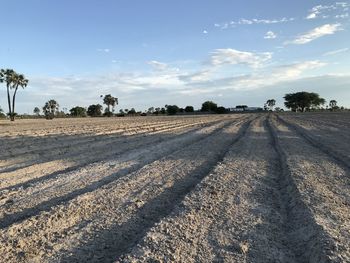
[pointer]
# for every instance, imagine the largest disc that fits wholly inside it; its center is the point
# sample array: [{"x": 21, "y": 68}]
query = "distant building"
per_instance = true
[
  {"x": 240, "y": 109},
  {"x": 253, "y": 108},
  {"x": 235, "y": 109}
]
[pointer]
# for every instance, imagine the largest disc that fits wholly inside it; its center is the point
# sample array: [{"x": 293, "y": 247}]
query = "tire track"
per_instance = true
[{"x": 298, "y": 217}]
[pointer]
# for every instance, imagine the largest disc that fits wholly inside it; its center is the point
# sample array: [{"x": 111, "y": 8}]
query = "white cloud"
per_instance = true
[
  {"x": 232, "y": 57},
  {"x": 158, "y": 65},
  {"x": 278, "y": 74},
  {"x": 345, "y": 15},
  {"x": 199, "y": 76},
  {"x": 260, "y": 79},
  {"x": 311, "y": 16},
  {"x": 205, "y": 32},
  {"x": 316, "y": 11},
  {"x": 324, "y": 11},
  {"x": 336, "y": 51},
  {"x": 84, "y": 90},
  {"x": 106, "y": 50},
  {"x": 327, "y": 29},
  {"x": 270, "y": 35},
  {"x": 291, "y": 71},
  {"x": 264, "y": 21},
  {"x": 244, "y": 21}
]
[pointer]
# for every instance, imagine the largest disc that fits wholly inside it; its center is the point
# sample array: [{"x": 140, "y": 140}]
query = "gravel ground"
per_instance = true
[{"x": 232, "y": 188}]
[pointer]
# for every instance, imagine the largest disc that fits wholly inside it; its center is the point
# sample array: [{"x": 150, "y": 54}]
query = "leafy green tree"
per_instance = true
[
  {"x": 13, "y": 81},
  {"x": 278, "y": 109},
  {"x": 172, "y": 109},
  {"x": 333, "y": 105},
  {"x": 271, "y": 103},
  {"x": 109, "y": 100},
  {"x": 221, "y": 110},
  {"x": 302, "y": 101},
  {"x": 156, "y": 111},
  {"x": 50, "y": 108},
  {"x": 78, "y": 111},
  {"x": 243, "y": 107},
  {"x": 60, "y": 114},
  {"x": 209, "y": 106},
  {"x": 132, "y": 111},
  {"x": 151, "y": 110},
  {"x": 94, "y": 110},
  {"x": 189, "y": 109},
  {"x": 36, "y": 111}
]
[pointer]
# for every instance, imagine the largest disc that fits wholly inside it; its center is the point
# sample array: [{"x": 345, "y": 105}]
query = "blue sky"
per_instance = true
[{"x": 152, "y": 53}]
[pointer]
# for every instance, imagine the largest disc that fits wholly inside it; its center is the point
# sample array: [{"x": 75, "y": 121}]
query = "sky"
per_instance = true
[{"x": 157, "y": 52}]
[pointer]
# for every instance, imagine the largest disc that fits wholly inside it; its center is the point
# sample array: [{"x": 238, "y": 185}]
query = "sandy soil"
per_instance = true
[{"x": 232, "y": 188}]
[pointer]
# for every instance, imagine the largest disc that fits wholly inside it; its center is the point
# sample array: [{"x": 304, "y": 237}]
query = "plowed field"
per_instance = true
[{"x": 218, "y": 188}]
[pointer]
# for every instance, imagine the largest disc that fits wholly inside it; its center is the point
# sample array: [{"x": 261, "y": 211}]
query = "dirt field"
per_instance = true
[{"x": 219, "y": 188}]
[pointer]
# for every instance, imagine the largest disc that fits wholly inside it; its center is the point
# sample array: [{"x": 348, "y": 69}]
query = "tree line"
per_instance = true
[
  {"x": 51, "y": 110},
  {"x": 304, "y": 101},
  {"x": 299, "y": 101}
]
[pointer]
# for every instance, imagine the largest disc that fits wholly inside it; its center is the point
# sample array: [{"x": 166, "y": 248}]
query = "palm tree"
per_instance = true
[
  {"x": 19, "y": 81},
  {"x": 13, "y": 81},
  {"x": 109, "y": 100},
  {"x": 6, "y": 75},
  {"x": 50, "y": 108}
]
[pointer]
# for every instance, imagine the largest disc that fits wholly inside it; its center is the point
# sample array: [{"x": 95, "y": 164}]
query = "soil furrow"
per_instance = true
[
  {"x": 26, "y": 177},
  {"x": 233, "y": 208},
  {"x": 25, "y": 204},
  {"x": 146, "y": 186},
  {"x": 338, "y": 156},
  {"x": 121, "y": 238},
  {"x": 305, "y": 249},
  {"x": 323, "y": 184},
  {"x": 221, "y": 188},
  {"x": 249, "y": 210},
  {"x": 71, "y": 140},
  {"x": 97, "y": 143}
]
